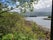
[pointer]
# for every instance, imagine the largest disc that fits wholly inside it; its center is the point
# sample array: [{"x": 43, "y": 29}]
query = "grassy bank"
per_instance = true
[{"x": 14, "y": 27}]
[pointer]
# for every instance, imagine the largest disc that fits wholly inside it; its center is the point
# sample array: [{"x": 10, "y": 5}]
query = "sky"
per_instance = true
[
  {"x": 43, "y": 5},
  {"x": 8, "y": 2}
]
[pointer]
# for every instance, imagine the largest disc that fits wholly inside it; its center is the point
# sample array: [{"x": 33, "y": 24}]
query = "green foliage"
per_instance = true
[
  {"x": 49, "y": 16},
  {"x": 22, "y": 3},
  {"x": 8, "y": 37},
  {"x": 7, "y": 22},
  {"x": 18, "y": 36},
  {"x": 12, "y": 24},
  {"x": 0, "y": 7}
]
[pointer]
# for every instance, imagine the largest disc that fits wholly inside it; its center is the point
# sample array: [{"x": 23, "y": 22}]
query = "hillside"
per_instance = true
[{"x": 14, "y": 27}]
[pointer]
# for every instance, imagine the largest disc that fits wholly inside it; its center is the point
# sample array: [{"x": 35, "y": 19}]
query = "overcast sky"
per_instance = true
[{"x": 43, "y": 5}]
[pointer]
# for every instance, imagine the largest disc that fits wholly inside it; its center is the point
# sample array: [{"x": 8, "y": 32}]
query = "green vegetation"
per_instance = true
[
  {"x": 14, "y": 27},
  {"x": 49, "y": 16}
]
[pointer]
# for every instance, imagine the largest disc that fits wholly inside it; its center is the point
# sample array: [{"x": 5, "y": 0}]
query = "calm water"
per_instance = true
[{"x": 40, "y": 21}]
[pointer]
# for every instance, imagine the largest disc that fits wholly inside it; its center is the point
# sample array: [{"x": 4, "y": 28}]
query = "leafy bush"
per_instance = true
[
  {"x": 7, "y": 22},
  {"x": 49, "y": 16},
  {"x": 8, "y": 37},
  {"x": 14, "y": 27},
  {"x": 18, "y": 36}
]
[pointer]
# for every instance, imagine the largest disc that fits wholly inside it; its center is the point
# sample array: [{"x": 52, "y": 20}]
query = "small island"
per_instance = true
[{"x": 48, "y": 18}]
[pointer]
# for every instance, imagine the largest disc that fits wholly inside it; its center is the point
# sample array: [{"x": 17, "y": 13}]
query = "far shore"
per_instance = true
[{"x": 47, "y": 18}]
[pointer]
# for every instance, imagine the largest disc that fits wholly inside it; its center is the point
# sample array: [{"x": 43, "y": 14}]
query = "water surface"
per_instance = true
[{"x": 40, "y": 21}]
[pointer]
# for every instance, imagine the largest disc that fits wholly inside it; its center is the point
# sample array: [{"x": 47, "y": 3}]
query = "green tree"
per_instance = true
[
  {"x": 22, "y": 4},
  {"x": 8, "y": 20}
]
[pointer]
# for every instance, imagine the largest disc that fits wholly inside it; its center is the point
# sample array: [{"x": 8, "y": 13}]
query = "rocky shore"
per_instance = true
[
  {"x": 46, "y": 31},
  {"x": 47, "y": 18}
]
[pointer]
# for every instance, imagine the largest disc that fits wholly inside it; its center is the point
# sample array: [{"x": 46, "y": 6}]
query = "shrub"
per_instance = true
[{"x": 8, "y": 37}]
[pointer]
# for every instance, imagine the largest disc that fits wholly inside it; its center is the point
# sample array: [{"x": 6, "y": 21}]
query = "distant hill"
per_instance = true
[{"x": 37, "y": 14}]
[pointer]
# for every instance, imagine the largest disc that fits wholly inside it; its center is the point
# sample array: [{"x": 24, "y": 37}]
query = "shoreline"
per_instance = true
[
  {"x": 47, "y": 18},
  {"x": 46, "y": 31},
  {"x": 40, "y": 21},
  {"x": 43, "y": 28}
]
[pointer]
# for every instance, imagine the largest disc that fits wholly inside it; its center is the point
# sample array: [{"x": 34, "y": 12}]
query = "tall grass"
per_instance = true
[{"x": 14, "y": 27}]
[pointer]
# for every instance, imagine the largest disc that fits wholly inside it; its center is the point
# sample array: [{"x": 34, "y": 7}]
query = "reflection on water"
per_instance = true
[{"x": 40, "y": 21}]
